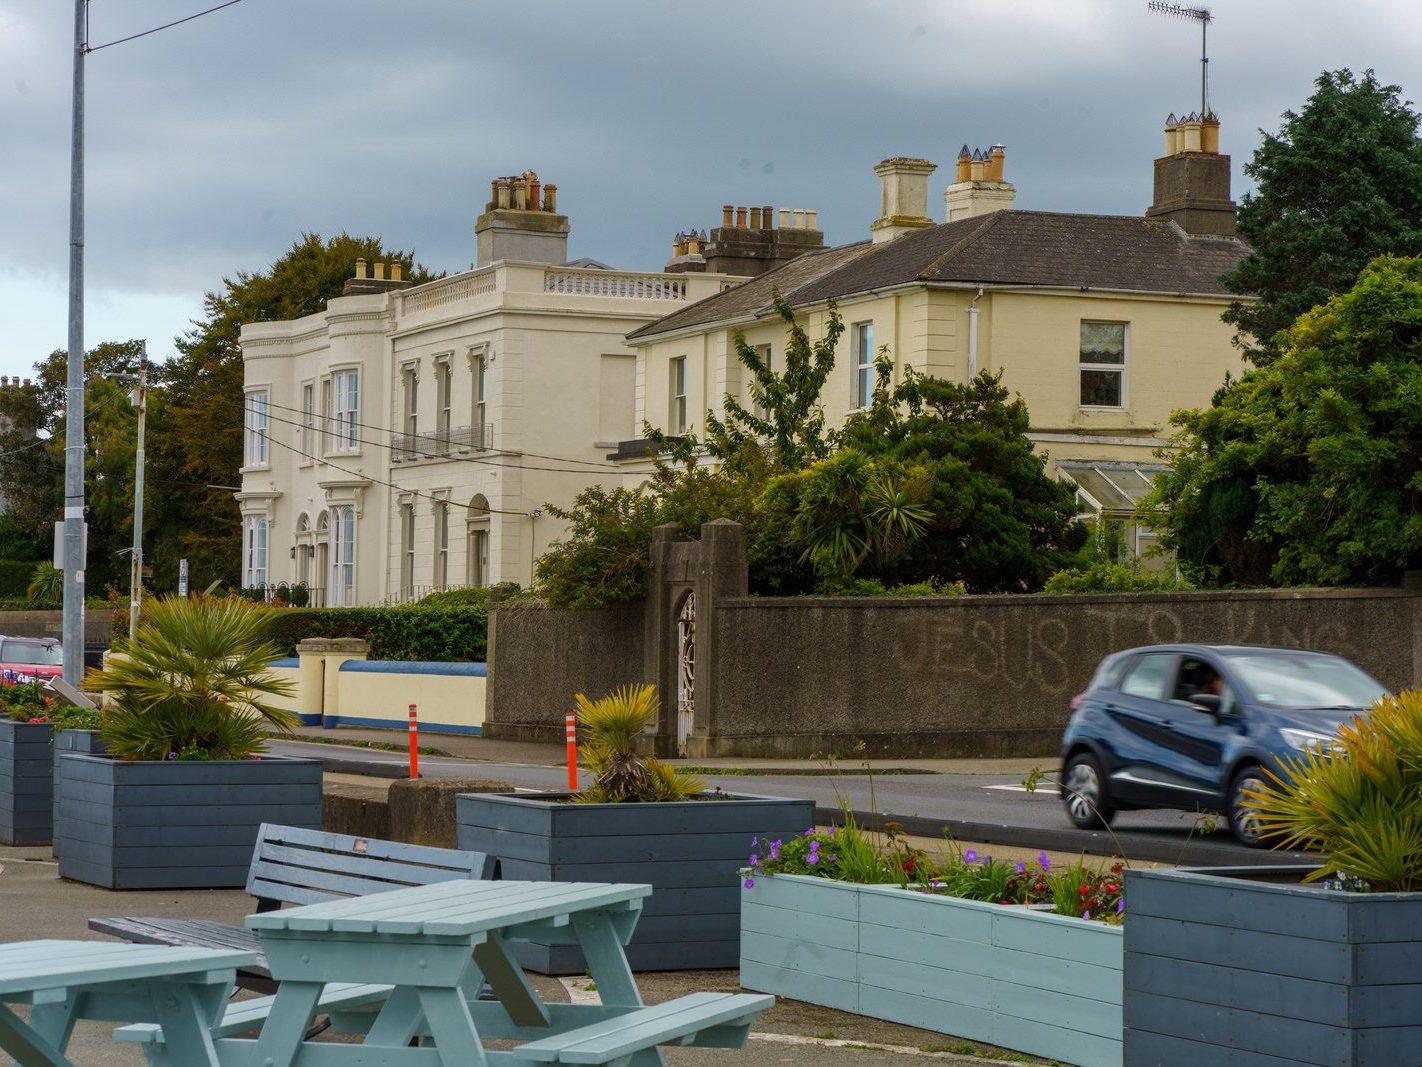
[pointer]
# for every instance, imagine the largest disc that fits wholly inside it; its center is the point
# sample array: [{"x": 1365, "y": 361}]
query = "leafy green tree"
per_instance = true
[
  {"x": 203, "y": 408},
  {"x": 1308, "y": 470},
  {"x": 997, "y": 522},
  {"x": 1339, "y": 184},
  {"x": 32, "y": 456}
]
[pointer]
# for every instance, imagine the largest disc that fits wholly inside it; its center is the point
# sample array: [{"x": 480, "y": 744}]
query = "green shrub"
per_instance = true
[
  {"x": 408, "y": 632},
  {"x": 874, "y": 587},
  {"x": 1107, "y": 577},
  {"x": 471, "y": 597}
]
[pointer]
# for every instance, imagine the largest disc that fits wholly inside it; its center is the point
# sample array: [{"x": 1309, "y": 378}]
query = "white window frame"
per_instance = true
[
  {"x": 676, "y": 391},
  {"x": 444, "y": 402},
  {"x": 345, "y": 409},
  {"x": 257, "y": 427},
  {"x": 1121, "y": 369},
  {"x": 410, "y": 383},
  {"x": 343, "y": 550},
  {"x": 476, "y": 533},
  {"x": 308, "y": 421},
  {"x": 479, "y": 360},
  {"x": 766, "y": 354},
  {"x": 255, "y": 557},
  {"x": 407, "y": 549},
  {"x": 862, "y": 356},
  {"x": 441, "y": 543}
]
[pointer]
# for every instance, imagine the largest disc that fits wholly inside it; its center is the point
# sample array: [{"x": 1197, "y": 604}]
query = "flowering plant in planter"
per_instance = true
[
  {"x": 27, "y": 702},
  {"x": 848, "y": 853}
]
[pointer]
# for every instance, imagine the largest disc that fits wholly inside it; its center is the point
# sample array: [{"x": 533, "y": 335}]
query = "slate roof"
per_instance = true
[{"x": 1016, "y": 248}]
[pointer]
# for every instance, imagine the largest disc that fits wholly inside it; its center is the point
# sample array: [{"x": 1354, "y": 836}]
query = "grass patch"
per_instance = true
[{"x": 782, "y": 772}]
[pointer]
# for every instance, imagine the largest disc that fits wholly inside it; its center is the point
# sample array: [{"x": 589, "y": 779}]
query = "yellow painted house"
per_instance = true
[{"x": 1104, "y": 324}]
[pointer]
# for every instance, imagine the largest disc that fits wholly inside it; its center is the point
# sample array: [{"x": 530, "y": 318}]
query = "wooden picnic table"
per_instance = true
[
  {"x": 435, "y": 944},
  {"x": 183, "y": 989}
]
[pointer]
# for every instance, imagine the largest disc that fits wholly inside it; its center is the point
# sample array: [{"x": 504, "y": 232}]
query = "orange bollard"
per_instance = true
[
  {"x": 571, "y": 723},
  {"x": 414, "y": 745}
]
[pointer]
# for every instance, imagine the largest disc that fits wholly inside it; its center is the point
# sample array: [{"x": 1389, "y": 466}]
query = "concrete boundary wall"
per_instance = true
[{"x": 909, "y": 676}]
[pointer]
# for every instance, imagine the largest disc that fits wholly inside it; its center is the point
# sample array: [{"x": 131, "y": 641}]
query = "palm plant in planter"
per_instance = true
[
  {"x": 1290, "y": 965},
  {"x": 611, "y": 727},
  {"x": 177, "y": 798},
  {"x": 638, "y": 820},
  {"x": 194, "y": 684}
]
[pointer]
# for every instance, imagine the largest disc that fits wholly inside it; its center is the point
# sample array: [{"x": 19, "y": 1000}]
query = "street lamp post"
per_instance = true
[
  {"x": 73, "y": 626},
  {"x": 135, "y": 593}
]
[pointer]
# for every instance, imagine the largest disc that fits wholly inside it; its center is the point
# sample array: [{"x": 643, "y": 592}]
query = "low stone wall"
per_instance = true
[
  {"x": 98, "y": 625},
  {"x": 930, "y": 676},
  {"x": 546, "y": 656}
]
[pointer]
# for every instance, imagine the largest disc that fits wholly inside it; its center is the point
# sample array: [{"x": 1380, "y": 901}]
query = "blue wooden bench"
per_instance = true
[{"x": 292, "y": 865}]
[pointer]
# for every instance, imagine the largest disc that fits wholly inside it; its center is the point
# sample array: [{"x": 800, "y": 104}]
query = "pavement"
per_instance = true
[{"x": 39, "y": 904}]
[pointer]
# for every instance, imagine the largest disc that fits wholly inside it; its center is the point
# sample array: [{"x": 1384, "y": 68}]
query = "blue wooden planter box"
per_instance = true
[
  {"x": 1246, "y": 966},
  {"x": 1021, "y": 978},
  {"x": 26, "y": 782},
  {"x": 688, "y": 851},
  {"x": 176, "y": 824}
]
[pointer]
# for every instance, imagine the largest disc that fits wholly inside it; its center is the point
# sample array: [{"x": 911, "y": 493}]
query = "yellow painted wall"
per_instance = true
[{"x": 453, "y": 702}]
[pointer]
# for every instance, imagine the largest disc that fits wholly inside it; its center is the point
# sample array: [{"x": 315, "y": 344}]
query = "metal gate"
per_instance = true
[{"x": 686, "y": 671}]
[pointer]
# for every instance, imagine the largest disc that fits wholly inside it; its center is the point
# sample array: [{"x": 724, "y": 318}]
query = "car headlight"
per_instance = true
[{"x": 1305, "y": 739}]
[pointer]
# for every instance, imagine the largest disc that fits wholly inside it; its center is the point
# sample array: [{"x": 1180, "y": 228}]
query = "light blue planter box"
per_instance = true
[
  {"x": 26, "y": 782},
  {"x": 1021, "y": 978}
]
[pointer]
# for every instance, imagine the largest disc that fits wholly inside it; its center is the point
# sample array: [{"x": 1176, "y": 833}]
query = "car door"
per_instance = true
[
  {"x": 1140, "y": 711},
  {"x": 1197, "y": 739}
]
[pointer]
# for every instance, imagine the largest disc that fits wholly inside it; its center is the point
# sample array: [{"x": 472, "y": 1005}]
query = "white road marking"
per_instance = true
[{"x": 1011, "y": 788}]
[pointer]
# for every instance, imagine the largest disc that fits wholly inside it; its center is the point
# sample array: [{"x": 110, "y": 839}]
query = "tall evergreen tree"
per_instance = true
[{"x": 1339, "y": 184}]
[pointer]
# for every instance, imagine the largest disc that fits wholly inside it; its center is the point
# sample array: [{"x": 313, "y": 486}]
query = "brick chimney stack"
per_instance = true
[
  {"x": 363, "y": 284},
  {"x": 979, "y": 186},
  {"x": 1192, "y": 178},
  {"x": 521, "y": 222},
  {"x": 747, "y": 242}
]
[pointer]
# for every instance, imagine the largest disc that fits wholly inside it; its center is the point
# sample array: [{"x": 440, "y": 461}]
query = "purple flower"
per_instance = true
[
  {"x": 172, "y": 755},
  {"x": 754, "y": 859},
  {"x": 750, "y": 883},
  {"x": 1086, "y": 914},
  {"x": 813, "y": 858},
  {"x": 1021, "y": 867},
  {"x": 754, "y": 841},
  {"x": 808, "y": 832},
  {"x": 1043, "y": 862},
  {"x": 971, "y": 856},
  {"x": 1120, "y": 905}
]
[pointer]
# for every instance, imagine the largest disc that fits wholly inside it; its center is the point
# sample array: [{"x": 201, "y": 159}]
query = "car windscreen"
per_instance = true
[
  {"x": 50, "y": 655},
  {"x": 1305, "y": 681}
]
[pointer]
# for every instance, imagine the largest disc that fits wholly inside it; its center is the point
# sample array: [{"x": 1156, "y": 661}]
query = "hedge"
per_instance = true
[{"x": 409, "y": 632}]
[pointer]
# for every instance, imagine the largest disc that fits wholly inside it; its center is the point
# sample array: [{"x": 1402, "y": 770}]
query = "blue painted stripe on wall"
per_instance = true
[
  {"x": 403, "y": 727},
  {"x": 309, "y": 718},
  {"x": 290, "y": 661},
  {"x": 467, "y": 670}
]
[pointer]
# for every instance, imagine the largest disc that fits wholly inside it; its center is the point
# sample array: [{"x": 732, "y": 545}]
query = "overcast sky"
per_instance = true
[{"x": 213, "y": 145}]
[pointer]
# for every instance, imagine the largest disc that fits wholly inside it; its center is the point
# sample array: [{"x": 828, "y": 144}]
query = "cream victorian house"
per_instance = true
[
  {"x": 1104, "y": 324},
  {"x": 406, "y": 439}
]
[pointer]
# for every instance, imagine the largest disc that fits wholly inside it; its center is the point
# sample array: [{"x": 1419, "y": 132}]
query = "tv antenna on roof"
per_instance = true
[{"x": 1203, "y": 17}]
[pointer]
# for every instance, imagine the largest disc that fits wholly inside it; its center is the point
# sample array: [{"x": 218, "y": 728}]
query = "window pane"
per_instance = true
[
  {"x": 1103, "y": 342},
  {"x": 1147, "y": 676},
  {"x": 1101, "y": 388}
]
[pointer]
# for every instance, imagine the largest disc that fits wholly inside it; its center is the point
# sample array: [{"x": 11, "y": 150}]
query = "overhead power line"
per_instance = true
[{"x": 156, "y": 29}]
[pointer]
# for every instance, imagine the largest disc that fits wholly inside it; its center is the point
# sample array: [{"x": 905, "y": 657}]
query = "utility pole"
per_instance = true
[
  {"x": 73, "y": 627},
  {"x": 135, "y": 589}
]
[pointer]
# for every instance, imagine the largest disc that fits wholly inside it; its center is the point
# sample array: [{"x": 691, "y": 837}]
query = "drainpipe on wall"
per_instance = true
[{"x": 973, "y": 336}]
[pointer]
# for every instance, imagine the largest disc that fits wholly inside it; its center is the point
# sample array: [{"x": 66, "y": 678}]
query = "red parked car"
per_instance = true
[{"x": 30, "y": 659}]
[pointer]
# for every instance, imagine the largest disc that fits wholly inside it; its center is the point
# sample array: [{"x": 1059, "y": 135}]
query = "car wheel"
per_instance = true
[
  {"x": 1244, "y": 822},
  {"x": 1084, "y": 793}
]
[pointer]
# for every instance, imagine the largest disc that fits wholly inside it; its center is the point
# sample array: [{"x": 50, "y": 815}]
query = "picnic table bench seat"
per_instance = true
[
  {"x": 704, "y": 1020},
  {"x": 295, "y": 865}
]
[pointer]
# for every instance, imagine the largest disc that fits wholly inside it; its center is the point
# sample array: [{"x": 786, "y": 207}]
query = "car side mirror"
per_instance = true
[{"x": 1210, "y": 702}]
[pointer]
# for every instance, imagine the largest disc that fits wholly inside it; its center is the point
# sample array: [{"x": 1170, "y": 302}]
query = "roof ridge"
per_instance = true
[{"x": 961, "y": 244}]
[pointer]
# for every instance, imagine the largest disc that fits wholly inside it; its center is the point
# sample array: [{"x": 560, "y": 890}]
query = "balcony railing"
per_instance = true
[
  {"x": 436, "y": 444},
  {"x": 613, "y": 283}
]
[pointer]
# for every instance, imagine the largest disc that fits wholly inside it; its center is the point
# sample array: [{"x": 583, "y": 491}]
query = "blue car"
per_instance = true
[{"x": 1191, "y": 726}]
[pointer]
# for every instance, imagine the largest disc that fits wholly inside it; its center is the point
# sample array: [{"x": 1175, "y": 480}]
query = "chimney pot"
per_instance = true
[
  {"x": 550, "y": 198},
  {"x": 726, "y": 210},
  {"x": 395, "y": 272},
  {"x": 767, "y": 216},
  {"x": 755, "y": 218},
  {"x": 693, "y": 244},
  {"x": 1210, "y": 135},
  {"x": 360, "y": 268},
  {"x": 379, "y": 270},
  {"x": 996, "y": 158},
  {"x": 535, "y": 193},
  {"x": 740, "y": 218},
  {"x": 812, "y": 219},
  {"x": 785, "y": 218},
  {"x": 799, "y": 218}
]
